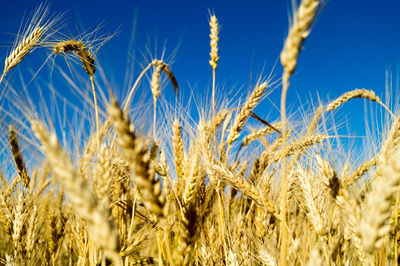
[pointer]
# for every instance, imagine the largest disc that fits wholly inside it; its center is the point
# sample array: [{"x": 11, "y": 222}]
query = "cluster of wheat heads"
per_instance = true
[{"x": 198, "y": 196}]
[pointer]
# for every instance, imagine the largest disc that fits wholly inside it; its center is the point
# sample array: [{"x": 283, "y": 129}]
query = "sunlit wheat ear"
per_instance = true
[
  {"x": 23, "y": 48},
  {"x": 38, "y": 30},
  {"x": 300, "y": 29},
  {"x": 314, "y": 198},
  {"x": 136, "y": 153},
  {"x": 360, "y": 171},
  {"x": 159, "y": 66},
  {"x": 19, "y": 162},
  {"x": 87, "y": 59},
  {"x": 81, "y": 50},
  {"x": 164, "y": 67},
  {"x": 85, "y": 204},
  {"x": 357, "y": 93},
  {"x": 155, "y": 90},
  {"x": 377, "y": 212},
  {"x": 218, "y": 171},
  {"x": 259, "y": 133},
  {"x": 178, "y": 148},
  {"x": 214, "y": 39},
  {"x": 246, "y": 111}
]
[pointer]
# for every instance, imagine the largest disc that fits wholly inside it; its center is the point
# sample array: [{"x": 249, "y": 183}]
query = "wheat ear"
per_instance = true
[
  {"x": 375, "y": 217},
  {"x": 178, "y": 148},
  {"x": 246, "y": 111},
  {"x": 87, "y": 59},
  {"x": 259, "y": 133},
  {"x": 214, "y": 39},
  {"x": 139, "y": 160},
  {"x": 23, "y": 48},
  {"x": 36, "y": 33},
  {"x": 159, "y": 66},
  {"x": 360, "y": 171},
  {"x": 392, "y": 139},
  {"x": 19, "y": 161},
  {"x": 219, "y": 172},
  {"x": 357, "y": 93},
  {"x": 85, "y": 204},
  {"x": 162, "y": 66},
  {"x": 155, "y": 89},
  {"x": 19, "y": 220}
]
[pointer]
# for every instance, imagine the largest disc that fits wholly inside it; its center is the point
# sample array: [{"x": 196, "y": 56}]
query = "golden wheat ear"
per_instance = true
[
  {"x": 81, "y": 50},
  {"x": 39, "y": 29},
  {"x": 85, "y": 55},
  {"x": 19, "y": 162}
]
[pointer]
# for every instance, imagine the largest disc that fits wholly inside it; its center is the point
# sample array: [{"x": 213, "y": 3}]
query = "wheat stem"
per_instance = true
[
  {"x": 128, "y": 100},
  {"x": 97, "y": 113},
  {"x": 2, "y": 77}
]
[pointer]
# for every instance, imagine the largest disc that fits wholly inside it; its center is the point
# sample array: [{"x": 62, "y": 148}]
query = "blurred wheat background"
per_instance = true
[{"x": 134, "y": 159}]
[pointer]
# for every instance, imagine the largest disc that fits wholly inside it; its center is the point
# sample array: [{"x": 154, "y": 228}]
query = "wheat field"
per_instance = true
[{"x": 205, "y": 192}]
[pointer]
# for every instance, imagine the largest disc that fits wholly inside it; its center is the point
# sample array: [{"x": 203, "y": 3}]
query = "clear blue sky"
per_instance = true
[{"x": 351, "y": 45}]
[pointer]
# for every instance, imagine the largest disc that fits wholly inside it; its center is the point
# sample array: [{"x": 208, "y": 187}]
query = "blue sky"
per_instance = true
[{"x": 352, "y": 45}]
